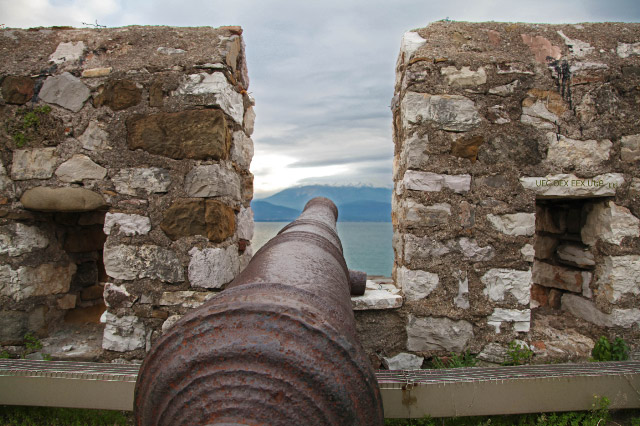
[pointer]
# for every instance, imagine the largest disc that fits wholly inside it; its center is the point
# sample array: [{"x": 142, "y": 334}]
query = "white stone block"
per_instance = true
[
  {"x": 411, "y": 41},
  {"x": 94, "y": 138},
  {"x": 464, "y": 77},
  {"x": 514, "y": 224},
  {"x": 521, "y": 319},
  {"x": 17, "y": 239},
  {"x": 610, "y": 223},
  {"x": 416, "y": 284},
  {"x": 213, "y": 180},
  {"x": 499, "y": 281},
  {"x": 36, "y": 163},
  {"x": 78, "y": 168},
  {"x": 245, "y": 223},
  {"x": 431, "y": 182},
  {"x": 403, "y": 361},
  {"x": 625, "y": 50},
  {"x": 67, "y": 52},
  {"x": 447, "y": 112},
  {"x": 576, "y": 154},
  {"x": 630, "y": 148},
  {"x": 213, "y": 267},
  {"x": 123, "y": 334},
  {"x": 186, "y": 299},
  {"x": 242, "y": 149},
  {"x": 570, "y": 186},
  {"x": 65, "y": 90},
  {"x": 226, "y": 97},
  {"x": 431, "y": 333},
  {"x": 376, "y": 300},
  {"x": 148, "y": 261},
  {"x": 149, "y": 180},
  {"x": 127, "y": 224},
  {"x": 620, "y": 276}
]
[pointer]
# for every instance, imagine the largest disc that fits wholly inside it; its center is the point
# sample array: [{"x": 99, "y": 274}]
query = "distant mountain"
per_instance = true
[
  {"x": 297, "y": 197},
  {"x": 264, "y": 211},
  {"x": 355, "y": 204}
]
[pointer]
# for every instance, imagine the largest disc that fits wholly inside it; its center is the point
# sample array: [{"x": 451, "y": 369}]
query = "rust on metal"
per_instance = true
[{"x": 277, "y": 347}]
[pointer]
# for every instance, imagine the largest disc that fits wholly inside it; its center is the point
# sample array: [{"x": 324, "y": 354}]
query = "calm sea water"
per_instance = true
[{"x": 367, "y": 245}]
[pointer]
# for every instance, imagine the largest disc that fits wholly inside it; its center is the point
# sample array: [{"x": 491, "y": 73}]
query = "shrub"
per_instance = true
[{"x": 604, "y": 350}]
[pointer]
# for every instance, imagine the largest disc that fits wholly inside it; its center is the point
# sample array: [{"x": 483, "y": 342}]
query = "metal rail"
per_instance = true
[{"x": 438, "y": 393}]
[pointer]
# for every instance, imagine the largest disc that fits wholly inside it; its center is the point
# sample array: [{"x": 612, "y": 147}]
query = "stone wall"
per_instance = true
[
  {"x": 517, "y": 188},
  {"x": 125, "y": 183}
]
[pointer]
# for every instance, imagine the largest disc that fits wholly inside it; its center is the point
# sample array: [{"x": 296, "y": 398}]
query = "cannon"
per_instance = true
[{"x": 277, "y": 347}]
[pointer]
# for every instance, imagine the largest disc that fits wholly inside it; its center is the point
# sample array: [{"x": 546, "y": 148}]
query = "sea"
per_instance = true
[{"x": 366, "y": 245}]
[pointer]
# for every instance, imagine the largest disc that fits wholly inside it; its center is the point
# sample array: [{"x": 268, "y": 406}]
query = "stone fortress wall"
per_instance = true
[
  {"x": 517, "y": 189},
  {"x": 124, "y": 182}
]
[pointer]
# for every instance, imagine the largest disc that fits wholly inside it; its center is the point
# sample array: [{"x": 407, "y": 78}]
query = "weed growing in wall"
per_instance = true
[
  {"x": 33, "y": 125},
  {"x": 454, "y": 361},
  {"x": 604, "y": 350},
  {"x": 518, "y": 354}
]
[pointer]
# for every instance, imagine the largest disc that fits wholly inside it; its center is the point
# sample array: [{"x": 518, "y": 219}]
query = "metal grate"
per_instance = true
[{"x": 69, "y": 370}]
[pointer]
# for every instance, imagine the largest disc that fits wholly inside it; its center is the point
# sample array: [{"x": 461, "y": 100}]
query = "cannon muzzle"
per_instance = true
[{"x": 277, "y": 347}]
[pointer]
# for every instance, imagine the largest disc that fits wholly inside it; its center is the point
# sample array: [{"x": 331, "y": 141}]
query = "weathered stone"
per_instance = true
[
  {"x": 214, "y": 180},
  {"x": 170, "y": 322},
  {"x": 245, "y": 223},
  {"x": 170, "y": 50},
  {"x": 625, "y": 50},
  {"x": 430, "y": 182},
  {"x": 61, "y": 199},
  {"x": 403, "y": 361},
  {"x": 151, "y": 180},
  {"x": 467, "y": 214},
  {"x": 416, "y": 248},
  {"x": 118, "y": 95},
  {"x": 577, "y": 47},
  {"x": 521, "y": 319},
  {"x": 198, "y": 134},
  {"x": 447, "y": 112},
  {"x": 186, "y": 299},
  {"x": 68, "y": 301},
  {"x": 585, "y": 309},
  {"x": 630, "y": 150},
  {"x": 94, "y": 137},
  {"x": 464, "y": 77},
  {"x": 493, "y": 352},
  {"x": 122, "y": 334},
  {"x": 67, "y": 52},
  {"x": 117, "y": 296},
  {"x": 472, "y": 251},
  {"x": 65, "y": 90},
  {"x": 96, "y": 72},
  {"x": 249, "y": 121},
  {"x": 80, "y": 167},
  {"x": 430, "y": 333},
  {"x": 494, "y": 181},
  {"x": 220, "y": 221},
  {"x": 539, "y": 296},
  {"x": 84, "y": 240},
  {"x": 570, "y": 186},
  {"x": 210, "y": 218},
  {"x": 415, "y": 215},
  {"x": 555, "y": 298},
  {"x": 242, "y": 149},
  {"x": 528, "y": 252},
  {"x": 156, "y": 95},
  {"x": 18, "y": 238},
  {"x": 620, "y": 276},
  {"x": 213, "y": 267},
  {"x": 541, "y": 48},
  {"x": 537, "y": 115},
  {"x": 13, "y": 327},
  {"x": 127, "y": 224},
  {"x": 411, "y": 41},
  {"x": 551, "y": 219},
  {"x": 412, "y": 154},
  {"x": 499, "y": 281},
  {"x": 416, "y": 284},
  {"x": 556, "y": 344},
  {"x": 37, "y": 163},
  {"x": 147, "y": 261},
  {"x": 497, "y": 114},
  {"x": 514, "y": 224},
  {"x": 610, "y": 223},
  {"x": 576, "y": 255},
  {"x": 374, "y": 299},
  {"x": 17, "y": 89},
  {"x": 215, "y": 84},
  {"x": 467, "y": 147},
  {"x": 505, "y": 90},
  {"x": 545, "y": 246},
  {"x": 557, "y": 276},
  {"x": 574, "y": 154},
  {"x": 43, "y": 280},
  {"x": 625, "y": 317}
]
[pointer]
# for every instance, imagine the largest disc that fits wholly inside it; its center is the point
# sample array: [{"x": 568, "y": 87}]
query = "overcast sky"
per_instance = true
[{"x": 322, "y": 72}]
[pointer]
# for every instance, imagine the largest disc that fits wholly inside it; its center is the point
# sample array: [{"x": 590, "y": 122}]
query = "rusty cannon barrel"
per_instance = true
[{"x": 277, "y": 347}]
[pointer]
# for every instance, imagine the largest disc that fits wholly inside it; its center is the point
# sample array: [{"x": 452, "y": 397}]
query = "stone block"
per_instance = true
[
  {"x": 197, "y": 134},
  {"x": 521, "y": 319},
  {"x": 576, "y": 255},
  {"x": 126, "y": 224},
  {"x": 433, "y": 182},
  {"x": 437, "y": 334},
  {"x": 223, "y": 94},
  {"x": 94, "y": 138},
  {"x": 494, "y": 353},
  {"x": 462, "y": 298},
  {"x": 149, "y": 180},
  {"x": 244, "y": 220},
  {"x": 123, "y": 334},
  {"x": 415, "y": 215},
  {"x": 186, "y": 299},
  {"x": 625, "y": 50},
  {"x": 467, "y": 147},
  {"x": 96, "y": 72},
  {"x": 209, "y": 218},
  {"x": 620, "y": 276},
  {"x": 472, "y": 251},
  {"x": 17, "y": 89},
  {"x": 170, "y": 322},
  {"x": 13, "y": 326},
  {"x": 374, "y": 299},
  {"x": 249, "y": 121},
  {"x": 411, "y": 41},
  {"x": 42, "y": 280},
  {"x": 116, "y": 296},
  {"x": 528, "y": 252},
  {"x": 241, "y": 149},
  {"x": 514, "y": 224},
  {"x": 118, "y": 95},
  {"x": 541, "y": 48},
  {"x": 446, "y": 112},
  {"x": 545, "y": 246},
  {"x": 585, "y": 309},
  {"x": 213, "y": 267},
  {"x": 403, "y": 361},
  {"x": 610, "y": 223},
  {"x": 416, "y": 284},
  {"x": 86, "y": 274},
  {"x": 17, "y": 239},
  {"x": 148, "y": 261},
  {"x": 416, "y": 248},
  {"x": 561, "y": 277},
  {"x": 37, "y": 163},
  {"x": 506, "y": 89},
  {"x": 80, "y": 167},
  {"x": 570, "y": 186},
  {"x": 499, "y": 281},
  {"x": 551, "y": 219},
  {"x": 575, "y": 154},
  {"x": 464, "y": 77},
  {"x": 214, "y": 180},
  {"x": 577, "y": 47},
  {"x": 65, "y": 90},
  {"x": 67, "y": 52},
  {"x": 412, "y": 154},
  {"x": 539, "y": 296},
  {"x": 66, "y": 302},
  {"x": 62, "y": 199},
  {"x": 630, "y": 150}
]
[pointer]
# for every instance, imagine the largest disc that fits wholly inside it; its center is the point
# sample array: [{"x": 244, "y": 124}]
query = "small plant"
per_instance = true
[
  {"x": 465, "y": 359},
  {"x": 26, "y": 124},
  {"x": 518, "y": 354},
  {"x": 31, "y": 343},
  {"x": 5, "y": 355},
  {"x": 604, "y": 350}
]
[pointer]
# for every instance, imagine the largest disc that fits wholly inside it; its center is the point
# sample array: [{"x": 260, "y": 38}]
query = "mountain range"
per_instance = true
[{"x": 355, "y": 203}]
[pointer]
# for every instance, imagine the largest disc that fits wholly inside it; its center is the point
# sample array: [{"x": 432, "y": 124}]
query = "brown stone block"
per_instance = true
[
  {"x": 540, "y": 294},
  {"x": 92, "y": 293},
  {"x": 560, "y": 277},
  {"x": 220, "y": 220},
  {"x": 552, "y": 100},
  {"x": 156, "y": 95},
  {"x": 467, "y": 147},
  {"x": 555, "y": 297},
  {"x": 90, "y": 238},
  {"x": 118, "y": 95},
  {"x": 17, "y": 89},
  {"x": 197, "y": 134},
  {"x": 61, "y": 199}
]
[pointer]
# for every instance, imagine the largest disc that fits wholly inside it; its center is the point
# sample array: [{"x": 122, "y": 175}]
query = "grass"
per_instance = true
[{"x": 49, "y": 416}]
